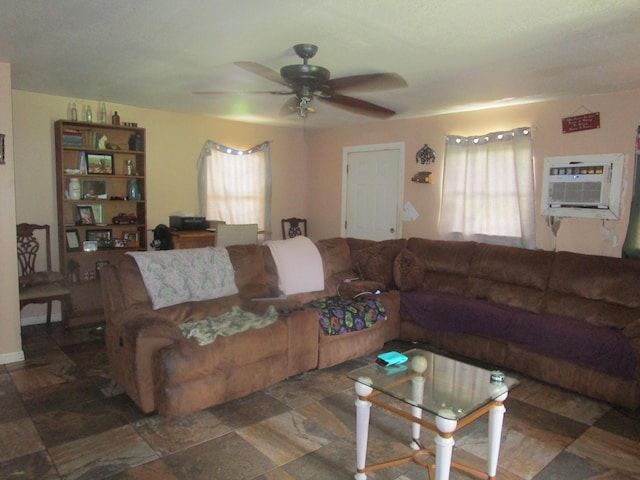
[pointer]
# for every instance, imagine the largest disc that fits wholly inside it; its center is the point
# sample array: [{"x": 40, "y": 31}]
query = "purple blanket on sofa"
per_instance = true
[{"x": 603, "y": 348}]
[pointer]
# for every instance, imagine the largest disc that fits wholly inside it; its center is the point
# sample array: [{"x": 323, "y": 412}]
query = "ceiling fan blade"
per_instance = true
[
  {"x": 357, "y": 106},
  {"x": 372, "y": 82},
  {"x": 262, "y": 71},
  {"x": 246, "y": 92}
]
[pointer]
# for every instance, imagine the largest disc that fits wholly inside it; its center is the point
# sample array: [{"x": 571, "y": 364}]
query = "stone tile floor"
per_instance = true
[{"x": 62, "y": 416}]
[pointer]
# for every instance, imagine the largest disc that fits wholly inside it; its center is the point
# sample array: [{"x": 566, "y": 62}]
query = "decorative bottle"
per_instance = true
[
  {"x": 132, "y": 190},
  {"x": 74, "y": 189},
  {"x": 115, "y": 119},
  {"x": 88, "y": 114},
  {"x": 103, "y": 113},
  {"x": 74, "y": 112}
]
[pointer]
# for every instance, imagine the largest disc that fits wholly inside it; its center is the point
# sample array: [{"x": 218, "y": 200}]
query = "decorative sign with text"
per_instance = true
[{"x": 588, "y": 121}]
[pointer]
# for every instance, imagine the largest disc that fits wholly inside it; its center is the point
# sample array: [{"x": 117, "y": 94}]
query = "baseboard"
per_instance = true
[
  {"x": 11, "y": 357},
  {"x": 39, "y": 320}
]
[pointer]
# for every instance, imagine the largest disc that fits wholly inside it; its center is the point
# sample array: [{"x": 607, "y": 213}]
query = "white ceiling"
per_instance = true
[{"x": 455, "y": 54}]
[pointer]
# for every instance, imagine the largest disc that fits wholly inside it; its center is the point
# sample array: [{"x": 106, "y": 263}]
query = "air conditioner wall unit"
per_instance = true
[{"x": 585, "y": 186}]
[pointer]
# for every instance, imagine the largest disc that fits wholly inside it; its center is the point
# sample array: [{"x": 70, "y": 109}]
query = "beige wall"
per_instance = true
[
  {"x": 307, "y": 166},
  {"x": 173, "y": 145},
  {"x": 10, "y": 341},
  {"x": 619, "y": 118}
]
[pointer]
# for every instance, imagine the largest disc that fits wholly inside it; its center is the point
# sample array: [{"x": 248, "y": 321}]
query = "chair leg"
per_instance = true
[
  {"x": 66, "y": 309},
  {"x": 49, "y": 315}
]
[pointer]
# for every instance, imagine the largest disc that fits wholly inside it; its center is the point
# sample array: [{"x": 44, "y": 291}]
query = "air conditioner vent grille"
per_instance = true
[{"x": 575, "y": 193}]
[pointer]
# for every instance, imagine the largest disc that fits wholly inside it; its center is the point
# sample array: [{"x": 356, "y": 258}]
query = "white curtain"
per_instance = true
[
  {"x": 235, "y": 185},
  {"x": 488, "y": 192}
]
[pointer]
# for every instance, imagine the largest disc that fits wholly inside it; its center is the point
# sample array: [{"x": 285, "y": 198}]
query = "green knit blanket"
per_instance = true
[{"x": 237, "y": 320}]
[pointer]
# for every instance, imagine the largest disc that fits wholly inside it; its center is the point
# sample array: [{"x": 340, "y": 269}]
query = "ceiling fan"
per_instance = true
[{"x": 308, "y": 82}]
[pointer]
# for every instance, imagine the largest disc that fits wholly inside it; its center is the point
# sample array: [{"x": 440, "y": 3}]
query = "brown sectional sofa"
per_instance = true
[
  {"x": 569, "y": 319},
  {"x": 161, "y": 370}
]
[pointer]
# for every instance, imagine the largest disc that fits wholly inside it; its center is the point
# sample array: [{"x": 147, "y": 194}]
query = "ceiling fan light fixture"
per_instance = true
[
  {"x": 304, "y": 108},
  {"x": 308, "y": 82}
]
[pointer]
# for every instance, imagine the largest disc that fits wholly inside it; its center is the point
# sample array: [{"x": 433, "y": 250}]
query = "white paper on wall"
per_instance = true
[{"x": 409, "y": 213}]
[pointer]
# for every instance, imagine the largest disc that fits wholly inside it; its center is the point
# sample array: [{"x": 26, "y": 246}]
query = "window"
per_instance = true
[
  {"x": 235, "y": 185},
  {"x": 488, "y": 192}
]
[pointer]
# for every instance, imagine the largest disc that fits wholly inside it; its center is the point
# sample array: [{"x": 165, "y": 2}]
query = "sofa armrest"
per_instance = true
[
  {"x": 112, "y": 296},
  {"x": 132, "y": 339},
  {"x": 391, "y": 302},
  {"x": 304, "y": 329}
]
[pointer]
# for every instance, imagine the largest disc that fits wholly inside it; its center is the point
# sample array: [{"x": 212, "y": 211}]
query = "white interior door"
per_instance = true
[{"x": 372, "y": 191}]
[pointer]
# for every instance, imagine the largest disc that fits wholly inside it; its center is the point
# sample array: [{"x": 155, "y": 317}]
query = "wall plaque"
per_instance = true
[{"x": 588, "y": 121}]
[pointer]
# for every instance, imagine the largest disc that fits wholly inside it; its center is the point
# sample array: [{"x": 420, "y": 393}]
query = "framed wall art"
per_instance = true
[
  {"x": 101, "y": 237},
  {"x": 100, "y": 163},
  {"x": 85, "y": 215},
  {"x": 73, "y": 240},
  {"x": 94, "y": 189},
  {"x": 131, "y": 238},
  {"x": 97, "y": 212}
]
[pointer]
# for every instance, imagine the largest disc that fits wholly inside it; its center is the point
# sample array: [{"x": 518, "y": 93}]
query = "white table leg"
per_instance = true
[
  {"x": 496, "y": 416},
  {"x": 417, "y": 394},
  {"x": 446, "y": 423},
  {"x": 363, "y": 411}
]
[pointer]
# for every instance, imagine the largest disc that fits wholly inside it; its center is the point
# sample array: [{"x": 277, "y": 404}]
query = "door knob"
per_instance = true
[{"x": 392, "y": 230}]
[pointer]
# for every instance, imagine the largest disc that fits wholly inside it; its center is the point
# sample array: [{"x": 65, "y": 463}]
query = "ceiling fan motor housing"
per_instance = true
[{"x": 308, "y": 74}]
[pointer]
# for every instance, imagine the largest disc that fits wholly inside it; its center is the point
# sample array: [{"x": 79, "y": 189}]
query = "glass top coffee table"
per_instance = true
[{"x": 453, "y": 392}]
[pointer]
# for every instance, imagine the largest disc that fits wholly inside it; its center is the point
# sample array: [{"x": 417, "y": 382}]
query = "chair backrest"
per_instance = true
[
  {"x": 29, "y": 238},
  {"x": 240, "y": 234},
  {"x": 292, "y": 227}
]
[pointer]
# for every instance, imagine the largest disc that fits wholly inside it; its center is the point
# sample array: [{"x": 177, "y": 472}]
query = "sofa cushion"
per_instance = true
[
  {"x": 446, "y": 264},
  {"x": 250, "y": 274},
  {"x": 408, "y": 270},
  {"x": 601, "y": 290},
  {"x": 376, "y": 263},
  {"x": 336, "y": 256},
  {"x": 338, "y": 315},
  {"x": 511, "y": 276},
  {"x": 602, "y": 348},
  {"x": 358, "y": 288}
]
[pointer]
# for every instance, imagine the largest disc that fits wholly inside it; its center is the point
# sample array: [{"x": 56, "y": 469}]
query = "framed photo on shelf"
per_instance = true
[
  {"x": 119, "y": 243},
  {"x": 97, "y": 212},
  {"x": 73, "y": 240},
  {"x": 100, "y": 163},
  {"x": 101, "y": 237},
  {"x": 131, "y": 238},
  {"x": 94, "y": 189},
  {"x": 85, "y": 215}
]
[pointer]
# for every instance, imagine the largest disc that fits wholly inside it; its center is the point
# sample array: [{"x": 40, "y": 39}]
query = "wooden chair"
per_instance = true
[
  {"x": 44, "y": 286},
  {"x": 294, "y": 227}
]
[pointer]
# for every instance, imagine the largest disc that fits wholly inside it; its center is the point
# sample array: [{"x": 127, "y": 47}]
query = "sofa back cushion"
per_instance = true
[
  {"x": 446, "y": 263},
  {"x": 510, "y": 276},
  {"x": 408, "y": 270},
  {"x": 601, "y": 290},
  {"x": 250, "y": 273},
  {"x": 336, "y": 259},
  {"x": 247, "y": 260},
  {"x": 375, "y": 261}
]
